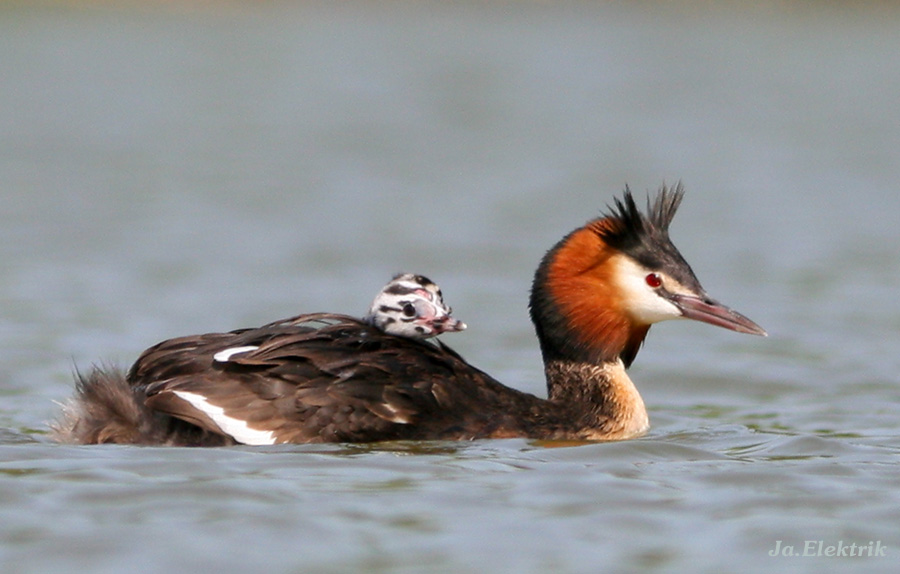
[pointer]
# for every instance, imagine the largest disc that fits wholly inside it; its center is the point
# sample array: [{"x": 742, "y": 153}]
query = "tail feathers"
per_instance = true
[{"x": 105, "y": 409}]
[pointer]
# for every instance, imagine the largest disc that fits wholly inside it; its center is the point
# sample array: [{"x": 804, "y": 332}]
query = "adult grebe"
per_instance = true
[{"x": 333, "y": 378}]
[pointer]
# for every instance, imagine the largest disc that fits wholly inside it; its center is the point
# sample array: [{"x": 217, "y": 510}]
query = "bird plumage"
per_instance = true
[{"x": 326, "y": 377}]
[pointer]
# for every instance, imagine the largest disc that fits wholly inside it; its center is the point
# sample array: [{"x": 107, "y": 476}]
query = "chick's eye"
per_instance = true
[
  {"x": 409, "y": 310},
  {"x": 653, "y": 280}
]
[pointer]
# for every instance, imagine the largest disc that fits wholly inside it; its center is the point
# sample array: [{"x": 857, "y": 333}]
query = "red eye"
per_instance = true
[{"x": 653, "y": 280}]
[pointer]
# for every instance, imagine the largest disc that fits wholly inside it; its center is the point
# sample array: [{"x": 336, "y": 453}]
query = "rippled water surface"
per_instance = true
[{"x": 177, "y": 168}]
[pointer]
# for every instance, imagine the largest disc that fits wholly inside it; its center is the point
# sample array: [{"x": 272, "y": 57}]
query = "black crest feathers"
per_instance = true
[
  {"x": 645, "y": 236},
  {"x": 628, "y": 228}
]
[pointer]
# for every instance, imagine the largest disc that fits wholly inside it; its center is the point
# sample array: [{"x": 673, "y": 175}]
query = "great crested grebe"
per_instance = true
[{"x": 333, "y": 378}]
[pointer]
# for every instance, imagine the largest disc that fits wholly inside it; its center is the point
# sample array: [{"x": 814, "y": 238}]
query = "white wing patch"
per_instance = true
[
  {"x": 396, "y": 417},
  {"x": 235, "y": 428},
  {"x": 224, "y": 356}
]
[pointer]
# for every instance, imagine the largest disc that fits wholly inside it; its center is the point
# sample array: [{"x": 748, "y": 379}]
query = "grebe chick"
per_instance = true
[
  {"x": 412, "y": 306},
  {"x": 408, "y": 306},
  {"x": 334, "y": 378}
]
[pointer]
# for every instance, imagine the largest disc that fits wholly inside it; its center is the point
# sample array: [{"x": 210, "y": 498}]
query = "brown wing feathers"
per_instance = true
[{"x": 339, "y": 381}]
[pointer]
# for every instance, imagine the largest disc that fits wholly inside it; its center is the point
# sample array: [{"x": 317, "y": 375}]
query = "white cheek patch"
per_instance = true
[
  {"x": 641, "y": 301},
  {"x": 224, "y": 356},
  {"x": 235, "y": 428}
]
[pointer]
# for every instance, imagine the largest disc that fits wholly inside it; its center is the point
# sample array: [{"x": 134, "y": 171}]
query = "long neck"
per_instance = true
[
  {"x": 587, "y": 340},
  {"x": 613, "y": 409}
]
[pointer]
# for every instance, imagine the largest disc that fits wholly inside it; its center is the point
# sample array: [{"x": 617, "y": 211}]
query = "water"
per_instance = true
[{"x": 178, "y": 168}]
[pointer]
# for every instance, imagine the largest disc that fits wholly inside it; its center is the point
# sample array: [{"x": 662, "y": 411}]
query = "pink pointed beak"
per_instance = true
[{"x": 714, "y": 313}]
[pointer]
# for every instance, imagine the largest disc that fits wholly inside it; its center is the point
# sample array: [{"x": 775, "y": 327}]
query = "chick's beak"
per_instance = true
[
  {"x": 714, "y": 313},
  {"x": 437, "y": 318},
  {"x": 449, "y": 324}
]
